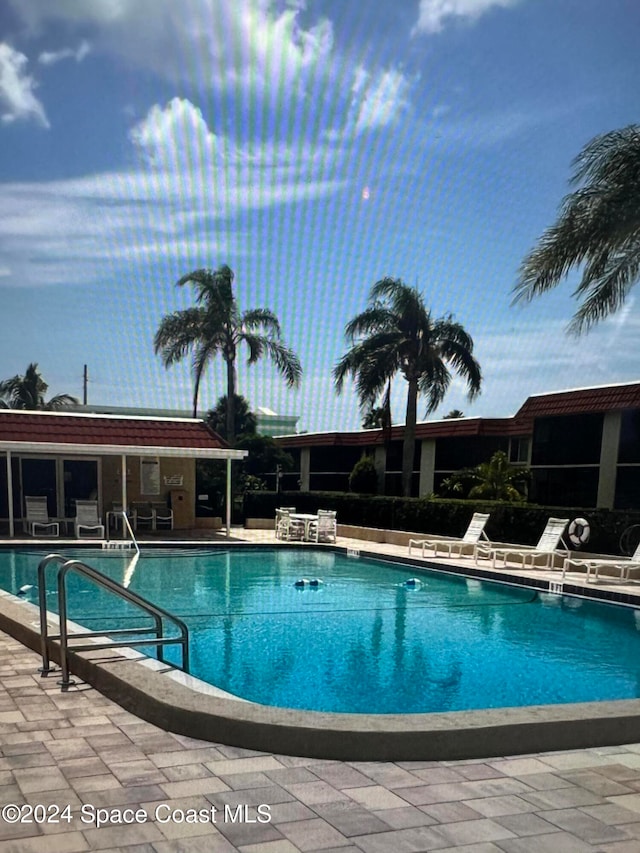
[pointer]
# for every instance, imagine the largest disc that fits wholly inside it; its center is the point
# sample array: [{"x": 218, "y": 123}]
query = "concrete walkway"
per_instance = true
[{"x": 82, "y": 750}]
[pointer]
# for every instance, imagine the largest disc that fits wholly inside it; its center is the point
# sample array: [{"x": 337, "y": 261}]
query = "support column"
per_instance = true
[
  {"x": 10, "y": 495},
  {"x": 124, "y": 486},
  {"x": 427, "y": 467},
  {"x": 305, "y": 469},
  {"x": 228, "y": 497},
  {"x": 380, "y": 461},
  {"x": 609, "y": 459}
]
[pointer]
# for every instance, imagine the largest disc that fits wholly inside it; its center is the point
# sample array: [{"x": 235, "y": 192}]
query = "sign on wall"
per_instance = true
[{"x": 149, "y": 475}]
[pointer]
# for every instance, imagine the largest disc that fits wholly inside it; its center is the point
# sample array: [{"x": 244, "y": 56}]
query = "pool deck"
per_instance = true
[{"x": 79, "y": 747}]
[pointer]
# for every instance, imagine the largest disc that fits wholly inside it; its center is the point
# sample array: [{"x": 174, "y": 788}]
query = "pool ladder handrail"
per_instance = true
[
  {"x": 157, "y": 613},
  {"x": 125, "y": 521}
]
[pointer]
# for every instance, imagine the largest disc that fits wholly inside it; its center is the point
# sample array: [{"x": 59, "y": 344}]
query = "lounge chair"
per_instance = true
[
  {"x": 37, "y": 520},
  {"x": 86, "y": 519},
  {"x": 546, "y": 549},
  {"x": 471, "y": 541},
  {"x": 622, "y": 565}
]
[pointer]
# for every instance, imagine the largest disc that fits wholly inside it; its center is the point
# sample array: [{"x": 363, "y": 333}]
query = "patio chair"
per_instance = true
[
  {"x": 290, "y": 528},
  {"x": 142, "y": 516},
  {"x": 546, "y": 549},
  {"x": 593, "y": 566},
  {"x": 469, "y": 542},
  {"x": 86, "y": 519},
  {"x": 324, "y": 529},
  {"x": 163, "y": 516},
  {"x": 281, "y": 523},
  {"x": 37, "y": 518}
]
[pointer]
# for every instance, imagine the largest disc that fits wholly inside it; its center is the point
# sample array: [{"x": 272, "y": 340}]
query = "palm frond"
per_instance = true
[
  {"x": 286, "y": 361},
  {"x": 371, "y": 320},
  {"x": 261, "y": 318},
  {"x": 60, "y": 401},
  {"x": 178, "y": 333},
  {"x": 598, "y": 226}
]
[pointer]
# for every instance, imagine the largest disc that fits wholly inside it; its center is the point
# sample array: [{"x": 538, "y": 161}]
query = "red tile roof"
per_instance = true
[
  {"x": 50, "y": 428},
  {"x": 577, "y": 402},
  {"x": 428, "y": 429},
  {"x": 582, "y": 401}
]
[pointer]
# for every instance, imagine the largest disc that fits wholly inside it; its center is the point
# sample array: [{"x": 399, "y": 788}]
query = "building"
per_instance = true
[
  {"x": 582, "y": 447},
  {"x": 269, "y": 422},
  {"x": 108, "y": 458}
]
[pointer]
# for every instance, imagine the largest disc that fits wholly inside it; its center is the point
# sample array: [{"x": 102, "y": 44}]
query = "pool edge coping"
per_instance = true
[{"x": 165, "y": 702}]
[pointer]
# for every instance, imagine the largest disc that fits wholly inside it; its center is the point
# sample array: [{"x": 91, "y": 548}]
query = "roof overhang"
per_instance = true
[{"x": 58, "y": 448}]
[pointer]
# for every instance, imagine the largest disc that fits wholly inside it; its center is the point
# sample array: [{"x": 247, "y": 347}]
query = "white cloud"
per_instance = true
[
  {"x": 377, "y": 100},
  {"x": 17, "y": 99},
  {"x": 261, "y": 49},
  {"x": 433, "y": 15},
  {"x": 177, "y": 202},
  {"x": 259, "y": 44},
  {"x": 52, "y": 57}
]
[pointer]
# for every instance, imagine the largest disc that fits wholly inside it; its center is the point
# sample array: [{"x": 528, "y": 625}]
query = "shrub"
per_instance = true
[
  {"x": 364, "y": 477},
  {"x": 519, "y": 523}
]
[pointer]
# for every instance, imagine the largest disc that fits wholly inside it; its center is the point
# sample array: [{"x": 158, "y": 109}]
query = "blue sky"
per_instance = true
[{"x": 314, "y": 148}]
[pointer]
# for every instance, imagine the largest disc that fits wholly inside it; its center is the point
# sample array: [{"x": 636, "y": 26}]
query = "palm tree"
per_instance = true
[
  {"x": 495, "y": 480},
  {"x": 244, "y": 423},
  {"x": 397, "y": 333},
  {"x": 454, "y": 413},
  {"x": 216, "y": 326},
  {"x": 598, "y": 228},
  {"x": 27, "y": 392}
]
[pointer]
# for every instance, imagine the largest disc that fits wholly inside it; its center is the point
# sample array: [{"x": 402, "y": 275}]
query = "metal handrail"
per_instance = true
[
  {"x": 125, "y": 520},
  {"x": 157, "y": 613}
]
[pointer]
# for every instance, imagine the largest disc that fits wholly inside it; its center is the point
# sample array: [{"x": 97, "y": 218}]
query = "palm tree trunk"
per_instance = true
[
  {"x": 409, "y": 443},
  {"x": 231, "y": 402}
]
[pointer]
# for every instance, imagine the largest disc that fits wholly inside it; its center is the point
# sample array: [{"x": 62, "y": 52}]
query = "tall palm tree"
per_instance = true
[
  {"x": 215, "y": 326},
  {"x": 598, "y": 228},
  {"x": 27, "y": 392},
  {"x": 397, "y": 333}
]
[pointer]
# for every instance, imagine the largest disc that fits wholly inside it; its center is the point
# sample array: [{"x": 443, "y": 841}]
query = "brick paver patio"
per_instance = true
[{"x": 82, "y": 750}]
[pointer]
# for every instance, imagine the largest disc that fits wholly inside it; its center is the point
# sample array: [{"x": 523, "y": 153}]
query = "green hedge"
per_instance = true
[{"x": 520, "y": 523}]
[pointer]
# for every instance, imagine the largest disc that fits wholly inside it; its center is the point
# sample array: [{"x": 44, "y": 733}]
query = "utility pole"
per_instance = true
[{"x": 85, "y": 382}]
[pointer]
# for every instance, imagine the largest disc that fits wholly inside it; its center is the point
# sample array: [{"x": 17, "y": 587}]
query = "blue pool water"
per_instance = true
[{"x": 363, "y": 641}]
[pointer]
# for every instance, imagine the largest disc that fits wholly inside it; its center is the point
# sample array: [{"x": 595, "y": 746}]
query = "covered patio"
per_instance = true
[{"x": 114, "y": 460}]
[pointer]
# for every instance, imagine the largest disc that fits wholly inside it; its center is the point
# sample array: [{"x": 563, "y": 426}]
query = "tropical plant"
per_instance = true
[
  {"x": 265, "y": 456},
  {"x": 374, "y": 417},
  {"x": 244, "y": 421},
  {"x": 364, "y": 477},
  {"x": 215, "y": 326},
  {"x": 454, "y": 413},
  {"x": 27, "y": 392},
  {"x": 396, "y": 333},
  {"x": 495, "y": 480},
  {"x": 598, "y": 228}
]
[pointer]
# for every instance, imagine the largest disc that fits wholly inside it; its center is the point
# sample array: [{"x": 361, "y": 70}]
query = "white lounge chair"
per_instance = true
[
  {"x": 593, "y": 566},
  {"x": 86, "y": 520},
  {"x": 37, "y": 520},
  {"x": 546, "y": 549},
  {"x": 471, "y": 541},
  {"x": 325, "y": 528}
]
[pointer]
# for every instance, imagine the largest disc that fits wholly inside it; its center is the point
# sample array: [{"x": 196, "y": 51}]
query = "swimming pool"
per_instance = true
[{"x": 362, "y": 640}]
